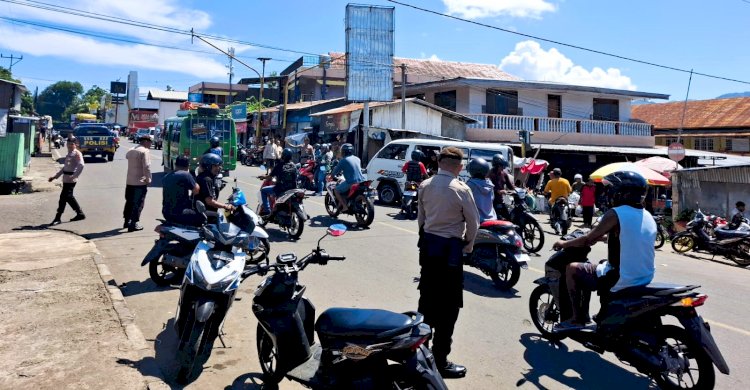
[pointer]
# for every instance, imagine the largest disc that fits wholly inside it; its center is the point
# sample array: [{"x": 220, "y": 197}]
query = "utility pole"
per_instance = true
[
  {"x": 12, "y": 57},
  {"x": 403, "y": 96},
  {"x": 231, "y": 73},
  {"x": 260, "y": 95}
]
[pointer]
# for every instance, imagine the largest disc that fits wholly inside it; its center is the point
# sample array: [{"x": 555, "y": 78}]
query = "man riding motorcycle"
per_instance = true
[
  {"x": 286, "y": 179},
  {"x": 176, "y": 203},
  {"x": 350, "y": 166},
  {"x": 415, "y": 171},
  {"x": 501, "y": 180},
  {"x": 482, "y": 188},
  {"x": 630, "y": 231},
  {"x": 210, "y": 165},
  {"x": 216, "y": 147}
]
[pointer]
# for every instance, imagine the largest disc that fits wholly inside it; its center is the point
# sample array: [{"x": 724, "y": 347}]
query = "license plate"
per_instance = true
[
  {"x": 523, "y": 260},
  {"x": 410, "y": 193}
]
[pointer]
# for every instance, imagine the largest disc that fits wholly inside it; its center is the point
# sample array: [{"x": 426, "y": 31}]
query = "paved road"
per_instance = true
[{"x": 494, "y": 336}]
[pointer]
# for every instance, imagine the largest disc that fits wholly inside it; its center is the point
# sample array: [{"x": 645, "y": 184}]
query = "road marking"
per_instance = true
[
  {"x": 397, "y": 227},
  {"x": 728, "y": 327}
]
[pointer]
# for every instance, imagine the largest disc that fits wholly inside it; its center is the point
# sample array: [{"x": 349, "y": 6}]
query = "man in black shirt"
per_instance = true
[
  {"x": 208, "y": 192},
  {"x": 177, "y": 206},
  {"x": 286, "y": 179}
]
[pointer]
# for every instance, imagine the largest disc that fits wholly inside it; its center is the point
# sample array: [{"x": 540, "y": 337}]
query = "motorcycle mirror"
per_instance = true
[
  {"x": 200, "y": 207},
  {"x": 337, "y": 230}
]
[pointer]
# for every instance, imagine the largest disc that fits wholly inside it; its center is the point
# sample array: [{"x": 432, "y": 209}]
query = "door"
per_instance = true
[{"x": 554, "y": 106}]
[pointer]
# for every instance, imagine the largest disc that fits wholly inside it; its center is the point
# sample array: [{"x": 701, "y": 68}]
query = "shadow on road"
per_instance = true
[
  {"x": 135, "y": 287},
  {"x": 484, "y": 287},
  {"x": 716, "y": 259},
  {"x": 326, "y": 221},
  {"x": 249, "y": 381},
  {"x": 105, "y": 234},
  {"x": 555, "y": 360},
  {"x": 401, "y": 216}
]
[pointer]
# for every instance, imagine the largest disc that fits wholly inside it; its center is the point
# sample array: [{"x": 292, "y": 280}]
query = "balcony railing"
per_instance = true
[{"x": 559, "y": 125}]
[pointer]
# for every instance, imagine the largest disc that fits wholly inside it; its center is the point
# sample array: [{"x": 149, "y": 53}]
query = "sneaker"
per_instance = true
[
  {"x": 55, "y": 222},
  {"x": 78, "y": 217},
  {"x": 135, "y": 227}
]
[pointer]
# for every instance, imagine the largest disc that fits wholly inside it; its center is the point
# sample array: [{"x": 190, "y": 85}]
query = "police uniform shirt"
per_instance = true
[{"x": 447, "y": 208}]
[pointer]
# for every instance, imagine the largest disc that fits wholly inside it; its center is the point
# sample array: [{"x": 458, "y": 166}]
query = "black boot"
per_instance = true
[
  {"x": 451, "y": 370},
  {"x": 56, "y": 221}
]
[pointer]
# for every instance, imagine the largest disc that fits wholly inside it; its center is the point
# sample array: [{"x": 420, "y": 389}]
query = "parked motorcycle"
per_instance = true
[
  {"x": 57, "y": 140},
  {"x": 306, "y": 176},
  {"x": 630, "y": 325},
  {"x": 170, "y": 255},
  {"x": 242, "y": 154},
  {"x": 661, "y": 232},
  {"x": 733, "y": 245},
  {"x": 560, "y": 216},
  {"x": 217, "y": 267},
  {"x": 356, "y": 345},
  {"x": 287, "y": 210},
  {"x": 526, "y": 225},
  {"x": 409, "y": 199},
  {"x": 497, "y": 253},
  {"x": 358, "y": 199}
]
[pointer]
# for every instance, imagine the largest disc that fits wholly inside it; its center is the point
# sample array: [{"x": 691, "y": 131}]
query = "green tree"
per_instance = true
[
  {"x": 27, "y": 103},
  {"x": 5, "y": 74},
  {"x": 58, "y": 98}
]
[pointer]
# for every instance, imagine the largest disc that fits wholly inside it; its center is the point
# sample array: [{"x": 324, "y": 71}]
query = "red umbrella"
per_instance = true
[{"x": 659, "y": 164}]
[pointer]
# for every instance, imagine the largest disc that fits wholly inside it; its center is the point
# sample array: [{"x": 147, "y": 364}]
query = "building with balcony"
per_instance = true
[{"x": 715, "y": 125}]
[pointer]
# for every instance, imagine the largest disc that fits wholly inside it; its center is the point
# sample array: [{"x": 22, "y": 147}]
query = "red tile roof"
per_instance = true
[
  {"x": 700, "y": 114},
  {"x": 439, "y": 69}
]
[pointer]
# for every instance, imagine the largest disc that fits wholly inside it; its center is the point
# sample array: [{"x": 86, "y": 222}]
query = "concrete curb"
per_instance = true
[{"x": 132, "y": 331}]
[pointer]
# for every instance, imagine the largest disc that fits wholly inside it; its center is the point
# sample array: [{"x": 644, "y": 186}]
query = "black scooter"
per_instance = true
[
  {"x": 732, "y": 244},
  {"x": 560, "y": 216},
  {"x": 355, "y": 345},
  {"x": 526, "y": 225},
  {"x": 630, "y": 325}
]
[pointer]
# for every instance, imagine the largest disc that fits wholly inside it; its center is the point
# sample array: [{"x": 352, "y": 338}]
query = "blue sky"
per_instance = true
[{"x": 710, "y": 37}]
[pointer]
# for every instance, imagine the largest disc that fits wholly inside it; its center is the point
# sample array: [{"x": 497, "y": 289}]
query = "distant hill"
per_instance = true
[{"x": 734, "y": 95}]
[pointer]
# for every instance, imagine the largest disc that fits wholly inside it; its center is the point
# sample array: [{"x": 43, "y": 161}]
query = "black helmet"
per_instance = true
[
  {"x": 210, "y": 159},
  {"x": 478, "y": 168},
  {"x": 499, "y": 161},
  {"x": 215, "y": 142},
  {"x": 625, "y": 188},
  {"x": 347, "y": 149},
  {"x": 417, "y": 155},
  {"x": 286, "y": 155}
]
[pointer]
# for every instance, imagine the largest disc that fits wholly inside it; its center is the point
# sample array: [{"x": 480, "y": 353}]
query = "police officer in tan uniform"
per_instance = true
[
  {"x": 70, "y": 171},
  {"x": 448, "y": 223}
]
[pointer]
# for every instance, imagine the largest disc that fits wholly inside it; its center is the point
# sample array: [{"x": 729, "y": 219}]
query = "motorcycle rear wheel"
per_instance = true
[
  {"x": 544, "y": 312},
  {"x": 268, "y": 355},
  {"x": 364, "y": 210},
  {"x": 532, "y": 229},
  {"x": 689, "y": 355},
  {"x": 659, "y": 240},
  {"x": 297, "y": 225},
  {"x": 683, "y": 244},
  {"x": 743, "y": 257},
  {"x": 164, "y": 275}
]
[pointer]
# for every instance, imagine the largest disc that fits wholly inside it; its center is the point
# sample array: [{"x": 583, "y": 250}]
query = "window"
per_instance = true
[
  {"x": 446, "y": 100},
  {"x": 502, "y": 102},
  {"x": 203, "y": 129},
  {"x": 738, "y": 145},
  {"x": 83, "y": 131},
  {"x": 606, "y": 110},
  {"x": 704, "y": 144},
  {"x": 554, "y": 106},
  {"x": 393, "y": 152},
  {"x": 670, "y": 140}
]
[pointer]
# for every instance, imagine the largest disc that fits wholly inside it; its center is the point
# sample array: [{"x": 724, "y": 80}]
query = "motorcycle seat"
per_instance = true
[
  {"x": 495, "y": 223},
  {"x": 347, "y": 322},
  {"x": 655, "y": 289},
  {"x": 726, "y": 233}
]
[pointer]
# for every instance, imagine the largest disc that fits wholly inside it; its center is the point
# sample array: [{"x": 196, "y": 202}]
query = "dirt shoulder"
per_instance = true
[{"x": 60, "y": 328}]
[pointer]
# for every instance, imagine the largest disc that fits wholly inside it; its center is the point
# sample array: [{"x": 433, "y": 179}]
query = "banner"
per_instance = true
[
  {"x": 195, "y": 97},
  {"x": 241, "y": 127},
  {"x": 239, "y": 112}
]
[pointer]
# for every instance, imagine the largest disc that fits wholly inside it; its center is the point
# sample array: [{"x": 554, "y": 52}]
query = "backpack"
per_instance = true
[
  {"x": 288, "y": 178},
  {"x": 413, "y": 173}
]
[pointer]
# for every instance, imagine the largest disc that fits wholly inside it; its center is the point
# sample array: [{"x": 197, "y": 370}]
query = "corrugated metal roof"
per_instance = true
[
  {"x": 700, "y": 114},
  {"x": 691, "y": 134},
  {"x": 300, "y": 105},
  {"x": 358, "y": 106},
  {"x": 691, "y": 177},
  {"x": 655, "y": 151},
  {"x": 158, "y": 94}
]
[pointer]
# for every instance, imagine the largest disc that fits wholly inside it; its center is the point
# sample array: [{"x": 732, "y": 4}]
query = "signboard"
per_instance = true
[
  {"x": 369, "y": 53},
  {"x": 335, "y": 122},
  {"x": 241, "y": 127},
  {"x": 239, "y": 112},
  {"x": 676, "y": 151},
  {"x": 195, "y": 97},
  {"x": 117, "y": 87}
]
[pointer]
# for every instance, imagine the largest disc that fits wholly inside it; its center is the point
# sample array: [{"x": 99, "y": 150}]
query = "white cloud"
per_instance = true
[
  {"x": 434, "y": 57},
  {"x": 477, "y": 9},
  {"x": 79, "y": 48},
  {"x": 89, "y": 51},
  {"x": 531, "y": 62}
]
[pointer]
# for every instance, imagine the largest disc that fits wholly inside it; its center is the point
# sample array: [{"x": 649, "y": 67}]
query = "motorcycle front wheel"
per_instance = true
[
  {"x": 686, "y": 361},
  {"x": 260, "y": 253},
  {"x": 268, "y": 355},
  {"x": 191, "y": 349},
  {"x": 742, "y": 258},
  {"x": 162, "y": 274},
  {"x": 331, "y": 207},
  {"x": 533, "y": 236},
  {"x": 544, "y": 312},
  {"x": 364, "y": 211},
  {"x": 682, "y": 244}
]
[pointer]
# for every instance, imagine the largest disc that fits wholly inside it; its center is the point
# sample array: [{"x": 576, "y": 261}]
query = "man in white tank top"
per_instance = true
[{"x": 630, "y": 232}]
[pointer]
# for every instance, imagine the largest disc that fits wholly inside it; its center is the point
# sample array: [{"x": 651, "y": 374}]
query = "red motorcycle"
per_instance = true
[
  {"x": 306, "y": 175},
  {"x": 358, "y": 199}
]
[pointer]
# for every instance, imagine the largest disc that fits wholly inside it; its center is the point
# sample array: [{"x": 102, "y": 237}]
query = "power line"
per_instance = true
[{"x": 566, "y": 44}]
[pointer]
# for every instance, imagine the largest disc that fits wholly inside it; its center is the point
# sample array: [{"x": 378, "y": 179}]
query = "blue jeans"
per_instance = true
[
  {"x": 265, "y": 193},
  {"x": 321, "y": 178}
]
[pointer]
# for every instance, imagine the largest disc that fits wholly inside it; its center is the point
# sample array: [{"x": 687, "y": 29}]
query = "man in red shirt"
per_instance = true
[{"x": 588, "y": 198}]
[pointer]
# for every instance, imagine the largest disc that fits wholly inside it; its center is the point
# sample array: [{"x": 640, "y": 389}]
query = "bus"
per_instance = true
[
  {"x": 77, "y": 119},
  {"x": 188, "y": 134}
]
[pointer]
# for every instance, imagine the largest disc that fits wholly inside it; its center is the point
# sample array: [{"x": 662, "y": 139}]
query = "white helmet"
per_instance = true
[{"x": 578, "y": 176}]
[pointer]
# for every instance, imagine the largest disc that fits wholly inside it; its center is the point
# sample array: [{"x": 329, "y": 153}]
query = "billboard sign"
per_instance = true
[
  {"x": 239, "y": 112},
  {"x": 195, "y": 97},
  {"x": 117, "y": 87},
  {"x": 369, "y": 53}
]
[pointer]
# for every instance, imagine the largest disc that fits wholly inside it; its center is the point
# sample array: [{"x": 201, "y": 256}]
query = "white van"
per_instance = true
[{"x": 385, "y": 168}]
